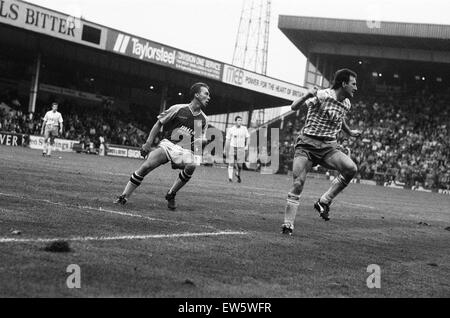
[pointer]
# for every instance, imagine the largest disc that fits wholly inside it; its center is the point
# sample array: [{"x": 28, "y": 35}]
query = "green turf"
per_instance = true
[{"x": 60, "y": 198}]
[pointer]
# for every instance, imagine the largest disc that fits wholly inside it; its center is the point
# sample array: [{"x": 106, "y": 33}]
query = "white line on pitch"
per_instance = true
[
  {"x": 207, "y": 183},
  {"x": 307, "y": 196},
  {"x": 81, "y": 207},
  {"x": 117, "y": 238},
  {"x": 277, "y": 191},
  {"x": 117, "y": 174},
  {"x": 359, "y": 205}
]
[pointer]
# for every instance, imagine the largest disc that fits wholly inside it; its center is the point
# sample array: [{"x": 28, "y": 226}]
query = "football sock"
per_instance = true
[
  {"x": 230, "y": 172},
  {"x": 182, "y": 179},
  {"x": 293, "y": 202},
  {"x": 337, "y": 186},
  {"x": 49, "y": 150},
  {"x": 45, "y": 148},
  {"x": 135, "y": 181}
]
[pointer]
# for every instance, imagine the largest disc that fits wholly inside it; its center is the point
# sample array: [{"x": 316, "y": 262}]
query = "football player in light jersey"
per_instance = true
[
  {"x": 317, "y": 143},
  {"x": 235, "y": 146},
  {"x": 179, "y": 124},
  {"x": 51, "y": 127}
]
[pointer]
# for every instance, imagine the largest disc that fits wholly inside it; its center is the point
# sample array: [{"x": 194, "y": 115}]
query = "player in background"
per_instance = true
[
  {"x": 317, "y": 143},
  {"x": 236, "y": 145},
  {"x": 178, "y": 124},
  {"x": 51, "y": 127}
]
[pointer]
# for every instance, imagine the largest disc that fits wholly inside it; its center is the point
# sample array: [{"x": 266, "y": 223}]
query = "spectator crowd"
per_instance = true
[
  {"x": 405, "y": 139},
  {"x": 86, "y": 125}
]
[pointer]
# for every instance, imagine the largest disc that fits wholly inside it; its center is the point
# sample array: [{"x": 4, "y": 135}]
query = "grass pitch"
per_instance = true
[{"x": 223, "y": 240}]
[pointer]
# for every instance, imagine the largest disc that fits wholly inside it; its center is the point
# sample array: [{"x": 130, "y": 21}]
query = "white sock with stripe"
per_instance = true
[
  {"x": 337, "y": 186},
  {"x": 135, "y": 181},
  {"x": 292, "y": 204},
  {"x": 182, "y": 179},
  {"x": 230, "y": 172}
]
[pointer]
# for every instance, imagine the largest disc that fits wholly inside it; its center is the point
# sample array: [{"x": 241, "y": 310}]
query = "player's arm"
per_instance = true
[
  {"x": 247, "y": 141},
  {"x": 163, "y": 119},
  {"x": 61, "y": 125},
  {"x": 205, "y": 133},
  {"x": 352, "y": 133},
  {"x": 199, "y": 146},
  {"x": 43, "y": 125},
  {"x": 145, "y": 149},
  {"x": 227, "y": 148},
  {"x": 312, "y": 92},
  {"x": 227, "y": 141},
  {"x": 247, "y": 137}
]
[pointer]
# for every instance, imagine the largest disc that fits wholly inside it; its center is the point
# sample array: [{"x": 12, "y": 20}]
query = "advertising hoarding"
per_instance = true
[
  {"x": 164, "y": 55},
  {"x": 64, "y": 145},
  {"x": 259, "y": 83},
  {"x": 38, "y": 19},
  {"x": 12, "y": 139}
]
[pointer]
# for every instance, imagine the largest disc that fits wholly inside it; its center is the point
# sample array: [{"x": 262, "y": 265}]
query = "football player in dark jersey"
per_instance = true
[{"x": 181, "y": 125}]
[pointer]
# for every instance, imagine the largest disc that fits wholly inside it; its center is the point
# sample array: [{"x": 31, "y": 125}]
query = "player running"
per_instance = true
[
  {"x": 179, "y": 126},
  {"x": 317, "y": 143},
  {"x": 51, "y": 128},
  {"x": 235, "y": 146}
]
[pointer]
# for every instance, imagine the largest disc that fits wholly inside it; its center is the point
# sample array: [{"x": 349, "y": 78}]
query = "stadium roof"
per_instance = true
[
  {"x": 303, "y": 31},
  {"x": 66, "y": 44}
]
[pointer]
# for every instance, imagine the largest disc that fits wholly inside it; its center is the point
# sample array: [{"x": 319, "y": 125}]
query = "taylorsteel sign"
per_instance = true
[
  {"x": 148, "y": 51},
  {"x": 157, "y": 53},
  {"x": 153, "y": 52},
  {"x": 34, "y": 18}
]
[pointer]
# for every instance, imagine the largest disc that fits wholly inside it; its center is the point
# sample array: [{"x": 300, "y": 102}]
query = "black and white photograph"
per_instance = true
[{"x": 224, "y": 155}]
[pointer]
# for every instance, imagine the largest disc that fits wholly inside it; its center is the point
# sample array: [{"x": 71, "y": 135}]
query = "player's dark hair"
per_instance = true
[
  {"x": 342, "y": 76},
  {"x": 196, "y": 88},
  {"x": 237, "y": 117}
]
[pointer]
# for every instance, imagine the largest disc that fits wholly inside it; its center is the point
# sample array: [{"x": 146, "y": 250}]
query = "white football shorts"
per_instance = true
[{"x": 179, "y": 155}]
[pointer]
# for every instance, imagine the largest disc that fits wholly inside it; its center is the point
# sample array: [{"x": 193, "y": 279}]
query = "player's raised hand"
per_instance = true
[
  {"x": 145, "y": 149},
  {"x": 313, "y": 91}
]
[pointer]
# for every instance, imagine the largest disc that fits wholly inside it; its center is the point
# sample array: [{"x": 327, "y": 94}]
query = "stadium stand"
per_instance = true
[{"x": 397, "y": 145}]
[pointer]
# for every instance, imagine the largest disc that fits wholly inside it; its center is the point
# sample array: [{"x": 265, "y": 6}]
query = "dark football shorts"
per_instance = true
[{"x": 315, "y": 149}]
